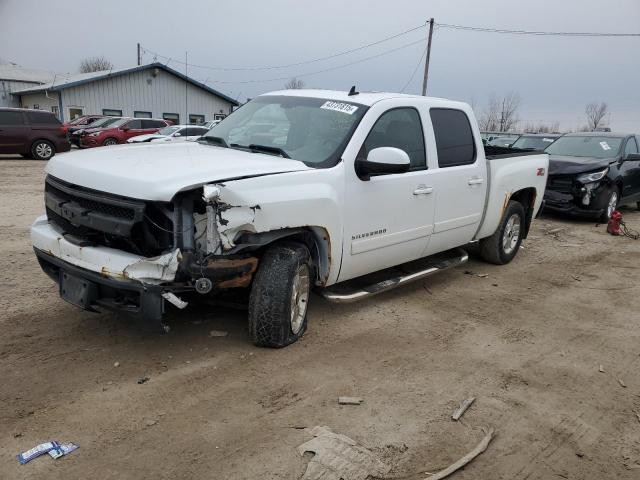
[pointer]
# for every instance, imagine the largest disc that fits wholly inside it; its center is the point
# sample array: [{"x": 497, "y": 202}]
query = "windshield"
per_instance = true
[
  {"x": 103, "y": 122},
  {"x": 502, "y": 141},
  {"x": 117, "y": 122},
  {"x": 78, "y": 120},
  {"x": 585, "y": 146},
  {"x": 534, "y": 143},
  {"x": 312, "y": 130},
  {"x": 168, "y": 130}
]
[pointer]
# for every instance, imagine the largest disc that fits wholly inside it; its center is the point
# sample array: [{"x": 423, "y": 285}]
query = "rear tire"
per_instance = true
[
  {"x": 280, "y": 295},
  {"x": 501, "y": 247},
  {"x": 42, "y": 150},
  {"x": 110, "y": 141}
]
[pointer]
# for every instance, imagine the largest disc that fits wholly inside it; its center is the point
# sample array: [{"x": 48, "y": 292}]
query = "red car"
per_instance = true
[
  {"x": 120, "y": 131},
  {"x": 83, "y": 121}
]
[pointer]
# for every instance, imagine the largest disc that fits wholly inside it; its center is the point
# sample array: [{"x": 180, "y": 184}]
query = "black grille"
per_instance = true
[
  {"x": 560, "y": 184},
  {"x": 93, "y": 205}
]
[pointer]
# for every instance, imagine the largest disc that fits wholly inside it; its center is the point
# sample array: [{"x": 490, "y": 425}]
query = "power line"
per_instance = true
[
  {"x": 533, "y": 32},
  {"x": 319, "y": 71},
  {"x": 297, "y": 64},
  {"x": 414, "y": 70}
]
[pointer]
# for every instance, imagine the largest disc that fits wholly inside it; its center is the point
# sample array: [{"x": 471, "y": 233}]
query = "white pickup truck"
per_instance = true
[{"x": 348, "y": 193}]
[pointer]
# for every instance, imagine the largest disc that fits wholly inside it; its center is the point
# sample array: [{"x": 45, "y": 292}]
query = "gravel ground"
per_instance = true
[{"x": 527, "y": 341}]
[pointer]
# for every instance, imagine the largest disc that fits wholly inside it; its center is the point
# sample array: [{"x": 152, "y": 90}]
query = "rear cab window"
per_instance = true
[{"x": 455, "y": 143}]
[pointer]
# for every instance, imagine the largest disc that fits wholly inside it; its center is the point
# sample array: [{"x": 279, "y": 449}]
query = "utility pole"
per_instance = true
[
  {"x": 186, "y": 91},
  {"x": 426, "y": 62},
  {"x": 139, "y": 57}
]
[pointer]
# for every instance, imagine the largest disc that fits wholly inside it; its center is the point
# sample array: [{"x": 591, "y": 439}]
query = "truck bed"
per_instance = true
[{"x": 492, "y": 152}]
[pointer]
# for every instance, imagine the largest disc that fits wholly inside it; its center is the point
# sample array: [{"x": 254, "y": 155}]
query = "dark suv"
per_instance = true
[{"x": 31, "y": 133}]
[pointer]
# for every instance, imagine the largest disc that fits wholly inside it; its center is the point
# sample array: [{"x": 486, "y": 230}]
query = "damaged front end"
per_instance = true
[{"x": 129, "y": 255}]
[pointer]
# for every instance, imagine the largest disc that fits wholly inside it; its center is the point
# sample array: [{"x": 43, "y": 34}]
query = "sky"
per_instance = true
[{"x": 554, "y": 76}]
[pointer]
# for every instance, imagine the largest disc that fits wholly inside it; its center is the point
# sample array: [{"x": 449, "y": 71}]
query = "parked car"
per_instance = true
[
  {"x": 590, "y": 174},
  {"x": 535, "y": 141},
  {"x": 74, "y": 137},
  {"x": 120, "y": 131},
  {"x": 81, "y": 122},
  {"x": 173, "y": 133},
  {"x": 211, "y": 123},
  {"x": 31, "y": 133},
  {"x": 349, "y": 192},
  {"x": 502, "y": 141}
]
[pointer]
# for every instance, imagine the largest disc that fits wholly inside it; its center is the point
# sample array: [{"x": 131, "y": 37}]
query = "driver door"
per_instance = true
[{"x": 389, "y": 218}]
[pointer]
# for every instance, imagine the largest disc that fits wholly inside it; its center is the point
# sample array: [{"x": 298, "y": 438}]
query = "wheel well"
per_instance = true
[
  {"x": 527, "y": 198},
  {"x": 316, "y": 239},
  {"x": 109, "y": 138}
]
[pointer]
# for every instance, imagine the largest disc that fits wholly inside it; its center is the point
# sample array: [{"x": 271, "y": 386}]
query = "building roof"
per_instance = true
[
  {"x": 62, "y": 82},
  {"x": 17, "y": 73}
]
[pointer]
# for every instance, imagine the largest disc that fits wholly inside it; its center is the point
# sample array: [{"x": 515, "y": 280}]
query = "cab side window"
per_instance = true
[
  {"x": 134, "y": 124},
  {"x": 400, "y": 128},
  {"x": 454, "y": 137},
  {"x": 631, "y": 146}
]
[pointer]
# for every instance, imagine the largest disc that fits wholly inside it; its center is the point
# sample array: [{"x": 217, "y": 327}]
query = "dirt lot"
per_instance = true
[{"x": 527, "y": 341}]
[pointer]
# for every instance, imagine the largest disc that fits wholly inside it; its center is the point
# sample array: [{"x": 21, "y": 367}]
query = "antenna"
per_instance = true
[{"x": 353, "y": 91}]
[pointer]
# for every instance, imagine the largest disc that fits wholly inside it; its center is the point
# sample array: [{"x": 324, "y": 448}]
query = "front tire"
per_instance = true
[
  {"x": 42, "y": 150},
  {"x": 110, "y": 141},
  {"x": 501, "y": 247},
  {"x": 610, "y": 205},
  {"x": 280, "y": 296}
]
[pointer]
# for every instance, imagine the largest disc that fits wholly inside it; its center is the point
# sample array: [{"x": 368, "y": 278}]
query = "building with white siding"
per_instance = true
[
  {"x": 146, "y": 91},
  {"x": 14, "y": 77}
]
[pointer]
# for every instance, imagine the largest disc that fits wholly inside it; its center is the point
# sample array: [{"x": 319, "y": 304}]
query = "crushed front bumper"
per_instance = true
[{"x": 569, "y": 204}]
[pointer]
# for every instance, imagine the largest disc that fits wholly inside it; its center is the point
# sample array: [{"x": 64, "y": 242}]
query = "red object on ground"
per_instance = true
[{"x": 613, "y": 227}]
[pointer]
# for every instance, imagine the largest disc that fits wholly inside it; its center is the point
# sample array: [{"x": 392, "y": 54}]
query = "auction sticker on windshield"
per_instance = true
[
  {"x": 605, "y": 146},
  {"x": 339, "y": 107}
]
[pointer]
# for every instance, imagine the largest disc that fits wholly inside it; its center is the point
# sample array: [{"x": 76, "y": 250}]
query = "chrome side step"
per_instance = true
[{"x": 458, "y": 257}]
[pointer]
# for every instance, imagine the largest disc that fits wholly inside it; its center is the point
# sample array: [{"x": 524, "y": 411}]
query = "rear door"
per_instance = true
[
  {"x": 389, "y": 218},
  {"x": 14, "y": 132},
  {"x": 152, "y": 126},
  {"x": 459, "y": 182},
  {"x": 631, "y": 171}
]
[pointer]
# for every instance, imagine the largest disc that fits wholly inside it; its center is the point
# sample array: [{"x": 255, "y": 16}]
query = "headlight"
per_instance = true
[
  {"x": 593, "y": 176},
  {"x": 94, "y": 134}
]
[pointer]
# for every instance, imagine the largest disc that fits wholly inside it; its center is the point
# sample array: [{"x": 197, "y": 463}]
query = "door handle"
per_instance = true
[
  {"x": 476, "y": 181},
  {"x": 423, "y": 190}
]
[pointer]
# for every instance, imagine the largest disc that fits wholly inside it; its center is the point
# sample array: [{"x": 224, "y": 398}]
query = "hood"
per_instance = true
[
  {"x": 145, "y": 138},
  {"x": 96, "y": 129},
  {"x": 157, "y": 171},
  {"x": 566, "y": 165}
]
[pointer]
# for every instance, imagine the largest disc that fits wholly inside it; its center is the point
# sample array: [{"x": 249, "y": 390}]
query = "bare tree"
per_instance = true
[
  {"x": 595, "y": 114},
  {"x": 294, "y": 84},
  {"x": 95, "y": 64},
  {"x": 490, "y": 114},
  {"x": 542, "y": 127},
  {"x": 508, "y": 110}
]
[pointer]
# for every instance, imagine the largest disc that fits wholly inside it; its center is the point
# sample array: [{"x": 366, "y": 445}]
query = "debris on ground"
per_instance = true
[
  {"x": 142, "y": 380},
  {"x": 350, "y": 400},
  {"x": 116, "y": 364},
  {"x": 479, "y": 275},
  {"x": 62, "y": 449},
  {"x": 53, "y": 448},
  {"x": 555, "y": 231},
  {"x": 218, "y": 333},
  {"x": 622, "y": 384},
  {"x": 151, "y": 423},
  {"x": 338, "y": 457},
  {"x": 601, "y": 369},
  {"x": 481, "y": 447},
  {"x": 462, "y": 408}
]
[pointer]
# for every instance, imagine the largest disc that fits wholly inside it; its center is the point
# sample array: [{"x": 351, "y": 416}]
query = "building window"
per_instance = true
[
  {"x": 172, "y": 117},
  {"x": 141, "y": 114},
  {"x": 56, "y": 111},
  {"x": 36, "y": 106},
  {"x": 219, "y": 116},
  {"x": 196, "y": 119},
  {"x": 111, "y": 112},
  {"x": 74, "y": 113}
]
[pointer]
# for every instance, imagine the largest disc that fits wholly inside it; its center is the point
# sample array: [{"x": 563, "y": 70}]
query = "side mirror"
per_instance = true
[
  {"x": 177, "y": 134},
  {"x": 124, "y": 128},
  {"x": 630, "y": 157},
  {"x": 383, "y": 161}
]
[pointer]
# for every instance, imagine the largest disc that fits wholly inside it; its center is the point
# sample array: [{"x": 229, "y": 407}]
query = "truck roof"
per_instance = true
[{"x": 363, "y": 98}]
